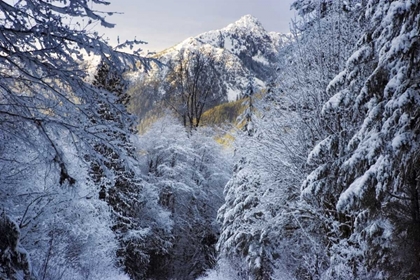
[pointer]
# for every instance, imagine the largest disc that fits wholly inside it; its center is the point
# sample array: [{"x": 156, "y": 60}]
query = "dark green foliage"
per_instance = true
[{"x": 109, "y": 79}]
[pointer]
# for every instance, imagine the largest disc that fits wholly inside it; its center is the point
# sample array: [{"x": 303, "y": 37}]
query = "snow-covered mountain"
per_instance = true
[
  {"x": 244, "y": 49},
  {"x": 247, "y": 39}
]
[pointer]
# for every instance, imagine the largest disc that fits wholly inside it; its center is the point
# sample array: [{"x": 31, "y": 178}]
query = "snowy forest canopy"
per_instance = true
[{"x": 318, "y": 179}]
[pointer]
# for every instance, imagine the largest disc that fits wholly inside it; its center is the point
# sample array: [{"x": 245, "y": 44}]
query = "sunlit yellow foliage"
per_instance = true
[
  {"x": 224, "y": 113},
  {"x": 228, "y": 114},
  {"x": 225, "y": 140}
]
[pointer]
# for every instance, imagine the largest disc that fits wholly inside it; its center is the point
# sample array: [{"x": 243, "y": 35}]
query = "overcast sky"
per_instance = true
[{"x": 164, "y": 23}]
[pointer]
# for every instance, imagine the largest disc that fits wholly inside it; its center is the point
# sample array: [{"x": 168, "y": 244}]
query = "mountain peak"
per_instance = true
[
  {"x": 247, "y": 20},
  {"x": 245, "y": 49}
]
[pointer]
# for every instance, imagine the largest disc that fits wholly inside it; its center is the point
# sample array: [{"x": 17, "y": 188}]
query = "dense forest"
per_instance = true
[{"x": 314, "y": 176}]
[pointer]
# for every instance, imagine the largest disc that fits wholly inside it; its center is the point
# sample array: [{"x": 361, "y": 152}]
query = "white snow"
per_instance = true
[
  {"x": 322, "y": 147},
  {"x": 260, "y": 58},
  {"x": 232, "y": 94},
  {"x": 356, "y": 190},
  {"x": 399, "y": 140}
]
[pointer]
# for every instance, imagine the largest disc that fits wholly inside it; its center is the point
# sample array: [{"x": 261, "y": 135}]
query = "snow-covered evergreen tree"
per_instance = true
[
  {"x": 323, "y": 37},
  {"x": 259, "y": 218},
  {"x": 367, "y": 165},
  {"x": 250, "y": 110},
  {"x": 14, "y": 260},
  {"x": 243, "y": 219},
  {"x": 134, "y": 208}
]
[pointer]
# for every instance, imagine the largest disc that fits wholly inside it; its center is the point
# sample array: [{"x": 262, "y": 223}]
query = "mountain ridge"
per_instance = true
[{"x": 244, "y": 51}]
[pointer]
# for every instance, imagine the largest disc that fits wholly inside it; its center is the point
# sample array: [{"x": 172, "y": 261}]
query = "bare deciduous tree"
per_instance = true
[{"x": 193, "y": 82}]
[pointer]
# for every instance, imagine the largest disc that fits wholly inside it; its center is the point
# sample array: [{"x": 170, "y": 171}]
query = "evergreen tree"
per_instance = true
[
  {"x": 249, "y": 111},
  {"x": 243, "y": 217},
  {"x": 14, "y": 260},
  {"x": 367, "y": 163},
  {"x": 324, "y": 37},
  {"x": 257, "y": 216},
  {"x": 121, "y": 186},
  {"x": 108, "y": 78}
]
